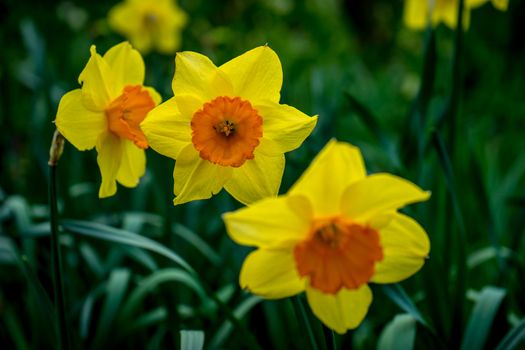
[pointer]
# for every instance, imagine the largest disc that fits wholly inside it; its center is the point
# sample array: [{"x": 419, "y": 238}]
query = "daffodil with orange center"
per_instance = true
[
  {"x": 226, "y": 128},
  {"x": 106, "y": 113},
  {"x": 149, "y": 24},
  {"x": 334, "y": 232},
  {"x": 420, "y": 13}
]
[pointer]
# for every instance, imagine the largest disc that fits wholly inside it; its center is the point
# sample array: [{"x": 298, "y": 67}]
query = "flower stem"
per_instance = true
[
  {"x": 58, "y": 285},
  {"x": 300, "y": 310}
]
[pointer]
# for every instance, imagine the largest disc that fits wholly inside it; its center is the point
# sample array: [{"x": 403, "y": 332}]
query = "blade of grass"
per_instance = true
[
  {"x": 191, "y": 340},
  {"x": 481, "y": 318},
  {"x": 115, "y": 235},
  {"x": 400, "y": 333},
  {"x": 397, "y": 294},
  {"x": 299, "y": 309},
  {"x": 514, "y": 338}
]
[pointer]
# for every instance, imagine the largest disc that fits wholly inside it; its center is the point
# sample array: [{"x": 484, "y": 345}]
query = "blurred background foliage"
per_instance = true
[{"x": 373, "y": 83}]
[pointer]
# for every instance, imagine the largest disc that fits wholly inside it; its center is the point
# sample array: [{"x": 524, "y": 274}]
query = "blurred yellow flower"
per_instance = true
[
  {"x": 225, "y": 126},
  {"x": 335, "y": 230},
  {"x": 106, "y": 112},
  {"x": 149, "y": 24},
  {"x": 418, "y": 13}
]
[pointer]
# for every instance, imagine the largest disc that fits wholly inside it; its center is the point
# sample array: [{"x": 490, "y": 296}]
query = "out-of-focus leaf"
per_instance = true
[
  {"x": 514, "y": 338},
  {"x": 153, "y": 281},
  {"x": 398, "y": 334},
  {"x": 482, "y": 317},
  {"x": 397, "y": 294},
  {"x": 87, "y": 309},
  {"x": 191, "y": 340},
  {"x": 199, "y": 244},
  {"x": 124, "y": 237},
  {"x": 224, "y": 331},
  {"x": 486, "y": 254},
  {"x": 115, "y": 291}
]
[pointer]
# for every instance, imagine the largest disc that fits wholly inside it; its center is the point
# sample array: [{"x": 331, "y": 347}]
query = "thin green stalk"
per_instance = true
[
  {"x": 58, "y": 284},
  {"x": 302, "y": 312}
]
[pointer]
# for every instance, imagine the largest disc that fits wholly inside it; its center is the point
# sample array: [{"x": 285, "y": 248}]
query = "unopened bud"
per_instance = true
[{"x": 57, "y": 147}]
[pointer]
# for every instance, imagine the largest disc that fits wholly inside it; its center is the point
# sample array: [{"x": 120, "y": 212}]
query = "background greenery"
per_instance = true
[{"x": 138, "y": 270}]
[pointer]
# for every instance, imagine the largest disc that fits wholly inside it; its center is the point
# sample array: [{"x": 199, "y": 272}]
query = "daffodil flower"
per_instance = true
[
  {"x": 149, "y": 24},
  {"x": 225, "y": 126},
  {"x": 335, "y": 231},
  {"x": 106, "y": 112},
  {"x": 419, "y": 13}
]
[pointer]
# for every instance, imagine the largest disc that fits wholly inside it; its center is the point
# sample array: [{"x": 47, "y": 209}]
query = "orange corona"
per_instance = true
[
  {"x": 337, "y": 254},
  {"x": 126, "y": 113},
  {"x": 226, "y": 131}
]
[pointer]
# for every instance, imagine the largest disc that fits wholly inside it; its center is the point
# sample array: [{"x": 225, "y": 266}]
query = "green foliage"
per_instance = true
[{"x": 139, "y": 273}]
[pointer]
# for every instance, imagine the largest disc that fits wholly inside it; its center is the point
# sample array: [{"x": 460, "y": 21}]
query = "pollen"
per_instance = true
[
  {"x": 126, "y": 113},
  {"x": 226, "y": 131},
  {"x": 338, "y": 254}
]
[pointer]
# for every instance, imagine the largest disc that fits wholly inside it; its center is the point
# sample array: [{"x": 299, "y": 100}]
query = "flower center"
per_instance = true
[
  {"x": 338, "y": 254},
  {"x": 226, "y": 131},
  {"x": 126, "y": 113}
]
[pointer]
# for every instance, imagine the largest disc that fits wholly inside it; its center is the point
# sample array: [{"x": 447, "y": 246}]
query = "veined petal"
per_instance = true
[
  {"x": 126, "y": 64},
  {"x": 285, "y": 125},
  {"x": 166, "y": 130},
  {"x": 109, "y": 159},
  {"x": 416, "y": 14},
  {"x": 405, "y": 247},
  {"x": 336, "y": 167},
  {"x": 256, "y": 75},
  {"x": 196, "y": 178},
  {"x": 271, "y": 274},
  {"x": 196, "y": 75},
  {"x": 98, "y": 88},
  {"x": 271, "y": 222},
  {"x": 79, "y": 125},
  {"x": 188, "y": 105},
  {"x": 257, "y": 178},
  {"x": 342, "y": 311},
  {"x": 379, "y": 194},
  {"x": 133, "y": 164}
]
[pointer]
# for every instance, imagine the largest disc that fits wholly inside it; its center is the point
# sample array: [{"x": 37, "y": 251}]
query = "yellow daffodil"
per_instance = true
[
  {"x": 106, "y": 112},
  {"x": 335, "y": 230},
  {"x": 225, "y": 126},
  {"x": 149, "y": 24},
  {"x": 418, "y": 13}
]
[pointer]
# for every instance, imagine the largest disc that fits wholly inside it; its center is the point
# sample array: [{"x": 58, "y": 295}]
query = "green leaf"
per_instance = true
[
  {"x": 514, "y": 338},
  {"x": 399, "y": 333},
  {"x": 397, "y": 294},
  {"x": 482, "y": 317},
  {"x": 196, "y": 241},
  {"x": 116, "y": 289},
  {"x": 153, "y": 281},
  {"x": 87, "y": 309},
  {"x": 115, "y": 235},
  {"x": 191, "y": 340},
  {"x": 224, "y": 331}
]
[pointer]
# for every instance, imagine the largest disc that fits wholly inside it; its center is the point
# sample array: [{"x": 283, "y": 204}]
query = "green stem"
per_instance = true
[
  {"x": 58, "y": 283},
  {"x": 302, "y": 312}
]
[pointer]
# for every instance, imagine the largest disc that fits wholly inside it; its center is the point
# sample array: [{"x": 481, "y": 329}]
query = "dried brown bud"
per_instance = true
[{"x": 57, "y": 147}]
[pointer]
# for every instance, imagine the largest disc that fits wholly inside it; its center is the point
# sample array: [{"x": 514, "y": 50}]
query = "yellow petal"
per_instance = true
[
  {"x": 196, "y": 178},
  {"x": 501, "y": 5},
  {"x": 285, "y": 125},
  {"x": 416, "y": 14},
  {"x": 188, "y": 105},
  {"x": 271, "y": 274},
  {"x": 342, "y": 311},
  {"x": 405, "y": 247},
  {"x": 125, "y": 19},
  {"x": 196, "y": 75},
  {"x": 167, "y": 132},
  {"x": 379, "y": 194},
  {"x": 256, "y": 75},
  {"x": 98, "y": 88},
  {"x": 126, "y": 64},
  {"x": 80, "y": 126},
  {"x": 142, "y": 41},
  {"x": 155, "y": 96},
  {"x": 338, "y": 165},
  {"x": 133, "y": 164},
  {"x": 168, "y": 42},
  {"x": 271, "y": 222},
  {"x": 257, "y": 178},
  {"x": 109, "y": 159}
]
